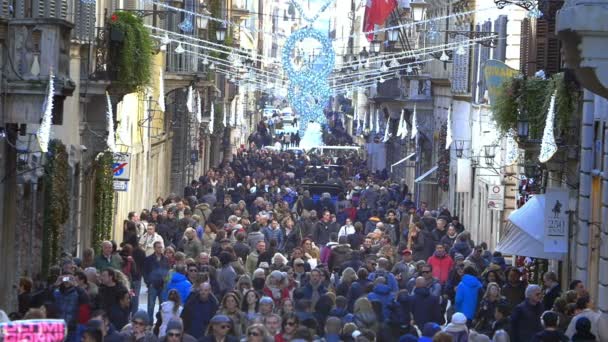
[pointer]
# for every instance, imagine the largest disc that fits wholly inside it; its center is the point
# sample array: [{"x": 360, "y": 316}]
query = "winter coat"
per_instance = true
[
  {"x": 448, "y": 241},
  {"x": 382, "y": 294},
  {"x": 401, "y": 310},
  {"x": 192, "y": 248},
  {"x": 252, "y": 262},
  {"x": 370, "y": 225},
  {"x": 322, "y": 232},
  {"x": 292, "y": 240},
  {"x": 425, "y": 307},
  {"x": 180, "y": 283},
  {"x": 514, "y": 294},
  {"x": 551, "y": 295},
  {"x": 550, "y": 336},
  {"x": 461, "y": 247},
  {"x": 441, "y": 267},
  {"x": 391, "y": 281},
  {"x": 467, "y": 295},
  {"x": 167, "y": 313},
  {"x": 525, "y": 321},
  {"x": 339, "y": 255},
  {"x": 226, "y": 278},
  {"x": 69, "y": 302},
  {"x": 254, "y": 237},
  {"x": 101, "y": 263},
  {"x": 274, "y": 234},
  {"x": 155, "y": 271},
  {"x": 197, "y": 313}
]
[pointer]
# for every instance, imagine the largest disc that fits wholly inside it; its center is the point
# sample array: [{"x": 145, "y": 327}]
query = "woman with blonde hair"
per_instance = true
[
  {"x": 191, "y": 245},
  {"x": 364, "y": 315},
  {"x": 230, "y": 307},
  {"x": 258, "y": 333},
  {"x": 485, "y": 314},
  {"x": 348, "y": 277}
]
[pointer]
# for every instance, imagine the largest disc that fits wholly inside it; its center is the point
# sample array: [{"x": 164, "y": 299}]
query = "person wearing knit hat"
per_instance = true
[
  {"x": 458, "y": 327},
  {"x": 175, "y": 332},
  {"x": 428, "y": 331},
  {"x": 138, "y": 330}
]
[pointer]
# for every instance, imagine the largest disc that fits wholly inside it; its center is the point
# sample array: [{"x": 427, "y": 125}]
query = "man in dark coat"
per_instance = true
[
  {"x": 552, "y": 289},
  {"x": 525, "y": 319},
  {"x": 198, "y": 311},
  {"x": 156, "y": 267},
  {"x": 339, "y": 254},
  {"x": 425, "y": 306}
]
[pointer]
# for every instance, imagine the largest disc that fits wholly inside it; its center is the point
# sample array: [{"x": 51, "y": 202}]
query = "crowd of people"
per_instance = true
[{"x": 248, "y": 253}]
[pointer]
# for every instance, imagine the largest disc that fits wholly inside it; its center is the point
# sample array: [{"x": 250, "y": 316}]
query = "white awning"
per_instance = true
[
  {"x": 525, "y": 232},
  {"x": 425, "y": 175},
  {"x": 403, "y": 160}
]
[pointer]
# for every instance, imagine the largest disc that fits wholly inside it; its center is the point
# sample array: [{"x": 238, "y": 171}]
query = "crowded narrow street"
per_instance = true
[{"x": 318, "y": 171}]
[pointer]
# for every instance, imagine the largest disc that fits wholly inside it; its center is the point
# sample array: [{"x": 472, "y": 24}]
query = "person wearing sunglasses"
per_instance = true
[
  {"x": 175, "y": 332},
  {"x": 139, "y": 329},
  {"x": 258, "y": 333},
  {"x": 219, "y": 330},
  {"x": 288, "y": 328}
]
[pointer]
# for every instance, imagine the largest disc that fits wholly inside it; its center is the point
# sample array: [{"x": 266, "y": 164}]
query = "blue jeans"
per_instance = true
[
  {"x": 136, "y": 285},
  {"x": 153, "y": 293}
]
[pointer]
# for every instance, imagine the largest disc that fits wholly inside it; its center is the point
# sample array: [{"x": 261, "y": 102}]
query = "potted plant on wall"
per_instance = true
[{"x": 131, "y": 49}]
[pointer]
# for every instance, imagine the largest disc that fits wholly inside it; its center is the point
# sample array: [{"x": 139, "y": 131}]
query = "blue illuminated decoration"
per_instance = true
[
  {"x": 186, "y": 25},
  {"x": 309, "y": 90}
]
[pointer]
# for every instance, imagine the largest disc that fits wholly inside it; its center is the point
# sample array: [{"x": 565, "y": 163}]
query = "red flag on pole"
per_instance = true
[{"x": 376, "y": 12}]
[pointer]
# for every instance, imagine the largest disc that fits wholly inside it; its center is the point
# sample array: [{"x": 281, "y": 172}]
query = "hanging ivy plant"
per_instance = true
[
  {"x": 104, "y": 200},
  {"x": 56, "y": 202},
  {"x": 443, "y": 163},
  {"x": 218, "y": 124},
  {"x": 135, "y": 50},
  {"x": 530, "y": 97}
]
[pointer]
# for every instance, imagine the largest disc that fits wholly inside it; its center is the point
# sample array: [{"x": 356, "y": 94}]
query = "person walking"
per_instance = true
[{"x": 525, "y": 319}]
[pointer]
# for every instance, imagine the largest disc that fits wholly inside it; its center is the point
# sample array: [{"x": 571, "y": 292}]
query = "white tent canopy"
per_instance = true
[{"x": 525, "y": 232}]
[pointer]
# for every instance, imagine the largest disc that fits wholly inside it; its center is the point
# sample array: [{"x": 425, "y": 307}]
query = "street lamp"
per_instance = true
[
  {"x": 220, "y": 33},
  {"x": 375, "y": 46},
  {"x": 532, "y": 170},
  {"x": 490, "y": 153},
  {"x": 393, "y": 35},
  {"x": 203, "y": 20},
  {"x": 418, "y": 9},
  {"x": 363, "y": 56},
  {"x": 459, "y": 148},
  {"x": 523, "y": 128}
]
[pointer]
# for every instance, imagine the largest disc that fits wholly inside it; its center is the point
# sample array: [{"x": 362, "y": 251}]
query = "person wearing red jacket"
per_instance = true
[{"x": 442, "y": 263}]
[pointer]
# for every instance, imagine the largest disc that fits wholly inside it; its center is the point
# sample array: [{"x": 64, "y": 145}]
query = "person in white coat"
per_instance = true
[{"x": 171, "y": 309}]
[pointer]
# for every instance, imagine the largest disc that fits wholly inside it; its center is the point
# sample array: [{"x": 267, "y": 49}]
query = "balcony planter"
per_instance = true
[
  {"x": 526, "y": 101},
  {"x": 131, "y": 50}
]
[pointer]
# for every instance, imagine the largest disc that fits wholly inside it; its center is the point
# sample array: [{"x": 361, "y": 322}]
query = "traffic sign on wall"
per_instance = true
[{"x": 120, "y": 167}]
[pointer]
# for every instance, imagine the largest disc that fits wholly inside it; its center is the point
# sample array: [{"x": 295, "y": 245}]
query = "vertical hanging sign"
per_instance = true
[{"x": 556, "y": 221}]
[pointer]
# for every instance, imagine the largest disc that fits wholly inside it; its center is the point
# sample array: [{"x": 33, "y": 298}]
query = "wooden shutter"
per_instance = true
[
  {"x": 461, "y": 67},
  {"x": 548, "y": 45},
  {"x": 527, "y": 57},
  {"x": 475, "y": 67},
  {"x": 84, "y": 29},
  {"x": 500, "y": 27},
  {"x": 130, "y": 4},
  {"x": 484, "y": 55}
]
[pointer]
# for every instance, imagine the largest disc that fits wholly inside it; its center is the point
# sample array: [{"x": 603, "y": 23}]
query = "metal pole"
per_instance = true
[{"x": 584, "y": 198}]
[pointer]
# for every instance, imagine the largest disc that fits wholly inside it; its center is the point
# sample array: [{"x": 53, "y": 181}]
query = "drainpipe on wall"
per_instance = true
[
  {"x": 602, "y": 290},
  {"x": 584, "y": 197}
]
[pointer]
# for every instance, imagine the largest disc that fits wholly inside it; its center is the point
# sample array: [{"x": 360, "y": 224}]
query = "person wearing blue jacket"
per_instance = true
[
  {"x": 468, "y": 292},
  {"x": 179, "y": 281},
  {"x": 382, "y": 293},
  {"x": 383, "y": 270}
]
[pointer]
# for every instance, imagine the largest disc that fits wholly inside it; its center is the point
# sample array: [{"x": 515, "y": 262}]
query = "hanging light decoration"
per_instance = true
[
  {"x": 394, "y": 63},
  {"x": 212, "y": 66},
  {"x": 179, "y": 49},
  {"x": 409, "y": 69},
  {"x": 460, "y": 50},
  {"x": 444, "y": 57},
  {"x": 205, "y": 61}
]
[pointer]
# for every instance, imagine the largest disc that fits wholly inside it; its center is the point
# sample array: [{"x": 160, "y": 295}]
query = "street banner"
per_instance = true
[
  {"x": 495, "y": 74},
  {"x": 48, "y": 330},
  {"x": 464, "y": 176},
  {"x": 556, "y": 221}
]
